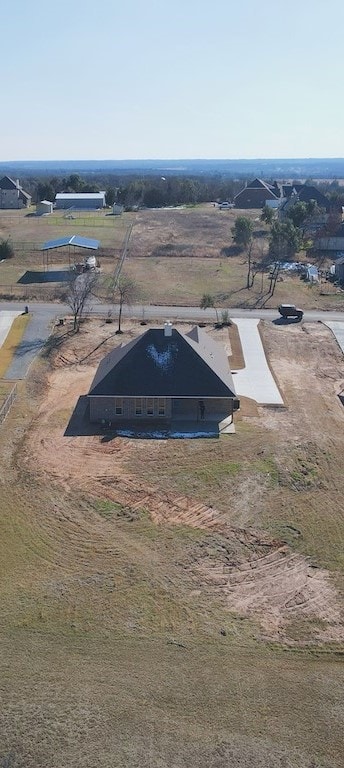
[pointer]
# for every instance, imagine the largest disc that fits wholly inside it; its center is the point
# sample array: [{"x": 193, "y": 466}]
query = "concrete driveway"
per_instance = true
[
  {"x": 337, "y": 329},
  {"x": 6, "y": 320},
  {"x": 35, "y": 336},
  {"x": 255, "y": 380}
]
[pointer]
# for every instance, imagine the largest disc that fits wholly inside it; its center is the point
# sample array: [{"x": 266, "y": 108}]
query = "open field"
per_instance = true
[
  {"x": 175, "y": 255},
  {"x": 174, "y": 603},
  {"x": 28, "y": 233}
]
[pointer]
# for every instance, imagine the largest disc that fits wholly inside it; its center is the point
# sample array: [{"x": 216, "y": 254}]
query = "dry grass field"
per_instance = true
[
  {"x": 28, "y": 233},
  {"x": 174, "y": 603},
  {"x": 175, "y": 255}
]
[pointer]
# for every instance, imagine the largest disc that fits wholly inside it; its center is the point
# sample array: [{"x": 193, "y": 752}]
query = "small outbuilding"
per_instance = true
[
  {"x": 44, "y": 207},
  {"x": 164, "y": 380},
  {"x": 117, "y": 209}
]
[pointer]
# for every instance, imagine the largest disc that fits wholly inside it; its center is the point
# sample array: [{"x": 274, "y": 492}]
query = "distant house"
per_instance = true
[
  {"x": 333, "y": 243},
  {"x": 256, "y": 194},
  {"x": 304, "y": 193},
  {"x": 339, "y": 269},
  {"x": 80, "y": 201},
  {"x": 12, "y": 194},
  {"x": 164, "y": 379}
]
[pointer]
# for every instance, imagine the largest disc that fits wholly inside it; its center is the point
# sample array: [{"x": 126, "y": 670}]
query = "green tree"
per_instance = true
[
  {"x": 242, "y": 231},
  {"x": 75, "y": 182},
  {"x": 207, "y": 301},
  {"x": 303, "y": 214},
  {"x": 45, "y": 191},
  {"x": 110, "y": 195},
  {"x": 297, "y": 213},
  {"x": 268, "y": 215},
  {"x": 6, "y": 249},
  {"x": 285, "y": 240}
]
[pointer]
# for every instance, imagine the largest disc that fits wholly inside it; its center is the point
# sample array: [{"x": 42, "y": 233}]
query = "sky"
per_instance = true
[{"x": 150, "y": 79}]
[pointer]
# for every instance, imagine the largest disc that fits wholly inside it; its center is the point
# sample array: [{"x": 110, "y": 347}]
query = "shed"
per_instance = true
[
  {"x": 117, "y": 209},
  {"x": 44, "y": 207},
  {"x": 312, "y": 274}
]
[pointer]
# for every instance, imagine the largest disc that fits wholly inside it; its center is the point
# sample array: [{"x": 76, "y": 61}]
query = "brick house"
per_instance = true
[{"x": 164, "y": 379}]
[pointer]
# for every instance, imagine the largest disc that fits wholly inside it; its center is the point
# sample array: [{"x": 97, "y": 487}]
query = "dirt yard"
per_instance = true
[
  {"x": 174, "y": 602},
  {"x": 281, "y": 466}
]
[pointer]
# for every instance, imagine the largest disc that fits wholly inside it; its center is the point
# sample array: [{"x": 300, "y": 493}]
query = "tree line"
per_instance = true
[{"x": 134, "y": 191}]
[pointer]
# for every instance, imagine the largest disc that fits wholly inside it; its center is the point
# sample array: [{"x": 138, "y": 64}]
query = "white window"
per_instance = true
[
  {"x": 150, "y": 406},
  {"x": 119, "y": 407},
  {"x": 138, "y": 406},
  {"x": 161, "y": 406}
]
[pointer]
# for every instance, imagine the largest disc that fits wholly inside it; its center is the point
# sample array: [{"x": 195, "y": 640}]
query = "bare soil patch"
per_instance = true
[
  {"x": 142, "y": 582},
  {"x": 242, "y": 490}
]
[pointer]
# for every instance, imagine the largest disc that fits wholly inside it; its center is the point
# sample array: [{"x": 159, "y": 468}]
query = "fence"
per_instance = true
[{"x": 8, "y": 403}]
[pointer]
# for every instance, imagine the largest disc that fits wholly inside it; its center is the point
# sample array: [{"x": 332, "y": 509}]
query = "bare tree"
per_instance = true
[
  {"x": 249, "y": 277},
  {"x": 80, "y": 290},
  {"x": 126, "y": 291}
]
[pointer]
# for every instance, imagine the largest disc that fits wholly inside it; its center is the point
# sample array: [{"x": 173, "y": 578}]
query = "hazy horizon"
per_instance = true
[{"x": 182, "y": 81}]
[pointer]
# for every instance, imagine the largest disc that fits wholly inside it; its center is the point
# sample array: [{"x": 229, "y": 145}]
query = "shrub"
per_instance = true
[{"x": 6, "y": 249}]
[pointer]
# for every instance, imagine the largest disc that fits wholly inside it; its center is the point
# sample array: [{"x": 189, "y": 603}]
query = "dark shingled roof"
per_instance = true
[
  {"x": 7, "y": 183},
  {"x": 305, "y": 193},
  {"x": 155, "y": 365}
]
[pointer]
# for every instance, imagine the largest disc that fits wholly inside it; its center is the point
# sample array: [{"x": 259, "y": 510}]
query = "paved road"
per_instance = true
[
  {"x": 153, "y": 312},
  {"x": 45, "y": 314}
]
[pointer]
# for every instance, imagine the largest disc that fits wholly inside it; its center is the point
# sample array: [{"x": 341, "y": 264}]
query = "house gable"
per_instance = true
[
  {"x": 7, "y": 183},
  {"x": 255, "y": 194}
]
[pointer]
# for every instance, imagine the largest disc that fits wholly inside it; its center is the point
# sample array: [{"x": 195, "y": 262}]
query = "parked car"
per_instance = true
[
  {"x": 289, "y": 310},
  {"x": 225, "y": 206}
]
